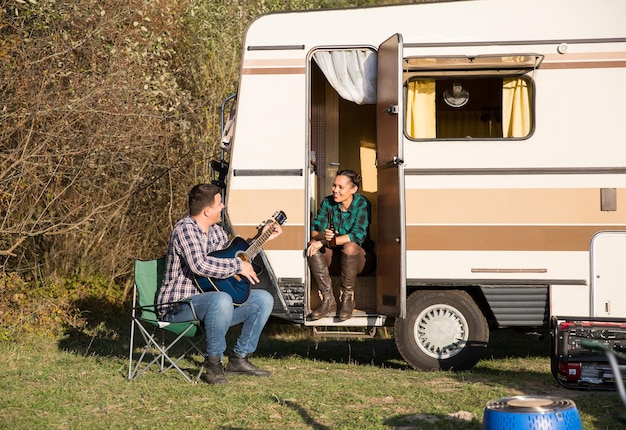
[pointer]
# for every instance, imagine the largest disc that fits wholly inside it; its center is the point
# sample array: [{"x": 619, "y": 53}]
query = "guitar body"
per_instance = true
[{"x": 238, "y": 286}]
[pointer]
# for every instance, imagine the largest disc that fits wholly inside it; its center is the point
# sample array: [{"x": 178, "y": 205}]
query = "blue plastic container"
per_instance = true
[{"x": 531, "y": 413}]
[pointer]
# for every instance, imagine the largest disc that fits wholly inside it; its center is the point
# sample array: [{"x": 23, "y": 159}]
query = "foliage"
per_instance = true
[
  {"x": 96, "y": 134},
  {"x": 109, "y": 113},
  {"x": 65, "y": 305}
]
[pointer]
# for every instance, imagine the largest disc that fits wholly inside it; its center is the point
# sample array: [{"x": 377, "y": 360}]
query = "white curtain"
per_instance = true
[{"x": 352, "y": 73}]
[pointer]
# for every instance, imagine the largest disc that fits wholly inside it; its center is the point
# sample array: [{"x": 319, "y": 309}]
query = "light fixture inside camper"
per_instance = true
[{"x": 456, "y": 96}]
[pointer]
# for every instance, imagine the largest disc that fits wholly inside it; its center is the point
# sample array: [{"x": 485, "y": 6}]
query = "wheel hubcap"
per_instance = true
[{"x": 441, "y": 331}]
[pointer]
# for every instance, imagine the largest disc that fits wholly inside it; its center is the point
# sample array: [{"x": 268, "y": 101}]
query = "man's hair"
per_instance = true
[{"x": 201, "y": 196}]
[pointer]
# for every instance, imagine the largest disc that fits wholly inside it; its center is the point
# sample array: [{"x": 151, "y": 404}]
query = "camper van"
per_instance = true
[{"x": 491, "y": 139}]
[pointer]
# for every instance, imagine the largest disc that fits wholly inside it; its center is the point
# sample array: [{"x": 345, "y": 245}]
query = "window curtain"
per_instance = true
[
  {"x": 352, "y": 73},
  {"x": 515, "y": 108},
  {"x": 421, "y": 118}
]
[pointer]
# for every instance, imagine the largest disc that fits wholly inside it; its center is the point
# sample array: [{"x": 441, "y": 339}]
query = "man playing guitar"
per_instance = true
[{"x": 192, "y": 241}]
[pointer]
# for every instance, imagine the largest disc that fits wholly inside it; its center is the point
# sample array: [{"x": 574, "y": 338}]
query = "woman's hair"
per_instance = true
[
  {"x": 354, "y": 176},
  {"x": 201, "y": 196}
]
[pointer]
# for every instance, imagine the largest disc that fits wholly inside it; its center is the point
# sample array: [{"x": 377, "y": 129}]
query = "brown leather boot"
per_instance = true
[
  {"x": 319, "y": 271},
  {"x": 349, "y": 271},
  {"x": 214, "y": 371},
  {"x": 238, "y": 365}
]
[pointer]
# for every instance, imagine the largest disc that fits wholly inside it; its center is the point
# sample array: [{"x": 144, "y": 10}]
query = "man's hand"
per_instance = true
[
  {"x": 277, "y": 230},
  {"x": 247, "y": 271}
]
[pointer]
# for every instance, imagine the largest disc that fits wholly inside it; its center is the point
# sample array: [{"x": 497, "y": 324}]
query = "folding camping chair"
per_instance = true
[{"x": 157, "y": 335}]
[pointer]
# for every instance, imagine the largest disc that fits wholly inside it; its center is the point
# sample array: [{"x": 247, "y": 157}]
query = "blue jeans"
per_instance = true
[{"x": 216, "y": 311}]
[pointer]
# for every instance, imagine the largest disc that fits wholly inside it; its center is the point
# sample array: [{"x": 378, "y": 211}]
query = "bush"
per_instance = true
[
  {"x": 90, "y": 305},
  {"x": 109, "y": 113},
  {"x": 100, "y": 141}
]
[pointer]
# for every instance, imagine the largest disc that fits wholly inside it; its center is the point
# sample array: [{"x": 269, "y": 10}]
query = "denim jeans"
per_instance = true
[{"x": 216, "y": 311}]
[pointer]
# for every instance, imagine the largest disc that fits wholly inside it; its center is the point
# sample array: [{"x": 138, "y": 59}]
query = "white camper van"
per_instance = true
[{"x": 491, "y": 138}]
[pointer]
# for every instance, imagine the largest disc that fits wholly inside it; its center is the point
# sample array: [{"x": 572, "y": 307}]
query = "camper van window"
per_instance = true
[{"x": 449, "y": 107}]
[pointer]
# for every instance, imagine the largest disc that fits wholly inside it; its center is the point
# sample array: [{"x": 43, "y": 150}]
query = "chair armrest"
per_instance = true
[{"x": 154, "y": 308}]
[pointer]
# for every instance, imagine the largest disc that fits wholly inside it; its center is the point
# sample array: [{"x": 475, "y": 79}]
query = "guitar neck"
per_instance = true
[{"x": 257, "y": 244}]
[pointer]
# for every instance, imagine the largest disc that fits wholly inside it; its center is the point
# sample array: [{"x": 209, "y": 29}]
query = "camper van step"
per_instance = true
[
  {"x": 337, "y": 332},
  {"x": 359, "y": 319}
]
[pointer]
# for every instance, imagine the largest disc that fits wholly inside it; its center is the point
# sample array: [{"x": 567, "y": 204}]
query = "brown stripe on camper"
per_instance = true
[
  {"x": 291, "y": 239},
  {"x": 273, "y": 67},
  {"x": 272, "y": 71},
  {"x": 247, "y": 209},
  {"x": 513, "y": 206},
  {"x": 502, "y": 238},
  {"x": 584, "y": 60},
  {"x": 253, "y": 206}
]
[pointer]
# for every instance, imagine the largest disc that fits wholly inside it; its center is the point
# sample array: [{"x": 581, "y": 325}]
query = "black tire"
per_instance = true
[{"x": 443, "y": 330}]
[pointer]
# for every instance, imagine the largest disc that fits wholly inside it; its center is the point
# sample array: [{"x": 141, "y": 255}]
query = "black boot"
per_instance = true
[
  {"x": 214, "y": 372},
  {"x": 349, "y": 271},
  {"x": 319, "y": 271},
  {"x": 238, "y": 365}
]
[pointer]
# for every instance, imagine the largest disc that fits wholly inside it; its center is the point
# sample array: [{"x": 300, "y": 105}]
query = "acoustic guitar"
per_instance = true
[{"x": 238, "y": 286}]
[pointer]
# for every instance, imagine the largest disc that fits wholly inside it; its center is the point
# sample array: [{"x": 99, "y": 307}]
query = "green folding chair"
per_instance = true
[{"x": 160, "y": 338}]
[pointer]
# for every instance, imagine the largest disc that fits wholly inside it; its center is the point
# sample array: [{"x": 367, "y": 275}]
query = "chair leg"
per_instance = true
[
  {"x": 162, "y": 357},
  {"x": 132, "y": 348}
]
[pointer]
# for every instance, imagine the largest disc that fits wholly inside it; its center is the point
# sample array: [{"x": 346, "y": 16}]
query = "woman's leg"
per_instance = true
[
  {"x": 318, "y": 263},
  {"x": 352, "y": 262}
]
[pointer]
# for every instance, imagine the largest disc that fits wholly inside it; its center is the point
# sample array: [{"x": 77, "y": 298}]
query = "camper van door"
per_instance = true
[{"x": 391, "y": 247}]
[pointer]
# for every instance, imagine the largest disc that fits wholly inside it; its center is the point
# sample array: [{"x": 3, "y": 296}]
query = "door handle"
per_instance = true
[{"x": 392, "y": 109}]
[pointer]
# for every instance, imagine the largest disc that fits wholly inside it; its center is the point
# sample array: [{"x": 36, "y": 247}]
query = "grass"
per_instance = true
[{"x": 78, "y": 382}]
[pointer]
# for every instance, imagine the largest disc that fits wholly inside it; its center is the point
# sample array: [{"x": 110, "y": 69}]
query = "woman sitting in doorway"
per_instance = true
[{"x": 340, "y": 243}]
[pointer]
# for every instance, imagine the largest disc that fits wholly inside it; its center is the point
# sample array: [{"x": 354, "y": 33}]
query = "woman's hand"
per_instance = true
[
  {"x": 328, "y": 235},
  {"x": 314, "y": 246}
]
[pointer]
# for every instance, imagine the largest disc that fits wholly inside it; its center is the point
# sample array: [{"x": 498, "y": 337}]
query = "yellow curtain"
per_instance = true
[
  {"x": 421, "y": 119},
  {"x": 515, "y": 108}
]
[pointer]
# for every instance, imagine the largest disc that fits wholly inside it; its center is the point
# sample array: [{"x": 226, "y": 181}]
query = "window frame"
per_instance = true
[{"x": 438, "y": 68}]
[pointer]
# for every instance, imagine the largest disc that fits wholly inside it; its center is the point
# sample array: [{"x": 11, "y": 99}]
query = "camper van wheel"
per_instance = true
[{"x": 443, "y": 330}]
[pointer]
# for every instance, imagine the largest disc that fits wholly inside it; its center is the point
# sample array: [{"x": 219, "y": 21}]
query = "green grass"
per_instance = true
[{"x": 80, "y": 383}]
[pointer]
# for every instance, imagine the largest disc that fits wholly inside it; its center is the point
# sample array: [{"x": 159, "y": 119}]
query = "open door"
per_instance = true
[{"x": 391, "y": 248}]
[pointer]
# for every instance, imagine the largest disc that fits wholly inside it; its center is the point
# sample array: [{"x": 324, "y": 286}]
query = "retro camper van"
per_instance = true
[{"x": 491, "y": 138}]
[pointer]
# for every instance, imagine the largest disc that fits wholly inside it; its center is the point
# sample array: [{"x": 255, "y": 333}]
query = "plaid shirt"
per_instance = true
[
  {"x": 354, "y": 222},
  {"x": 188, "y": 254}
]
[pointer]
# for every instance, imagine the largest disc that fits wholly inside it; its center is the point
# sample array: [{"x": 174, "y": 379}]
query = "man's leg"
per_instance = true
[
  {"x": 215, "y": 310},
  {"x": 254, "y": 313}
]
